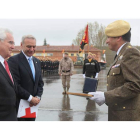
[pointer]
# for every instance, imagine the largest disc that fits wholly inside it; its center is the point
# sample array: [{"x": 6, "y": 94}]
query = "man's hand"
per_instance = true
[
  {"x": 34, "y": 101},
  {"x": 60, "y": 74},
  {"x": 98, "y": 97},
  {"x": 71, "y": 74},
  {"x": 30, "y": 104}
]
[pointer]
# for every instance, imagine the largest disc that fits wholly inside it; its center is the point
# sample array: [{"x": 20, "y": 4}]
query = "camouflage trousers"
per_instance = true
[{"x": 66, "y": 81}]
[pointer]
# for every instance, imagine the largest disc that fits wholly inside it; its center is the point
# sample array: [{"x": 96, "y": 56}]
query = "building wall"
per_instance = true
[
  {"x": 109, "y": 55},
  {"x": 58, "y": 55}
]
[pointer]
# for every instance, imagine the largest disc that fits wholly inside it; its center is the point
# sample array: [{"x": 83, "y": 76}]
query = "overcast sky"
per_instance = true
[{"x": 59, "y": 31}]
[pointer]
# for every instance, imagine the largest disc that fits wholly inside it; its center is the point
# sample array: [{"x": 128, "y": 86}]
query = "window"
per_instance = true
[
  {"x": 38, "y": 54},
  {"x": 77, "y": 55},
  {"x": 49, "y": 54},
  {"x": 72, "y": 54}
]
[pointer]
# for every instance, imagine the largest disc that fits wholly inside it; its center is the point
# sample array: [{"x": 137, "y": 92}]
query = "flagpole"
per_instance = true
[{"x": 83, "y": 54}]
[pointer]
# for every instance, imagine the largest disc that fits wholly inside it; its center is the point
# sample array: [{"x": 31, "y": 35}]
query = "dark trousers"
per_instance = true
[{"x": 26, "y": 119}]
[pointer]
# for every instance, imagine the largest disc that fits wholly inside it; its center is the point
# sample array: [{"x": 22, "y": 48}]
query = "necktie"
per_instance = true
[
  {"x": 32, "y": 67},
  {"x": 115, "y": 56},
  {"x": 7, "y": 69}
]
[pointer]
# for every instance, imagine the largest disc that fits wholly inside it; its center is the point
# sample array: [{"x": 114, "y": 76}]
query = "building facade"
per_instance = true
[{"x": 56, "y": 52}]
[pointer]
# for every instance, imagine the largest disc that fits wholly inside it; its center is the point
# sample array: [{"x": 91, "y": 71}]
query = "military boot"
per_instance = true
[
  {"x": 67, "y": 89},
  {"x": 64, "y": 92}
]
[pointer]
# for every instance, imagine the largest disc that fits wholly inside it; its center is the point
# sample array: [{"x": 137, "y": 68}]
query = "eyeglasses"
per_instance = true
[{"x": 28, "y": 46}]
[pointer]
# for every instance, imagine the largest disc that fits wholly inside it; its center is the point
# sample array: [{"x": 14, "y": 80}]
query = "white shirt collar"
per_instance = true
[
  {"x": 120, "y": 48},
  {"x": 27, "y": 57},
  {"x": 2, "y": 60}
]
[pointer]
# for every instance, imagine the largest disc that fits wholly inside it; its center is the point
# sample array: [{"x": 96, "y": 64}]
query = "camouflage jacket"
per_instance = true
[{"x": 66, "y": 65}]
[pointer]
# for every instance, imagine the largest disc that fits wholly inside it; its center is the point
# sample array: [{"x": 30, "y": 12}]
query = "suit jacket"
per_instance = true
[
  {"x": 123, "y": 86},
  {"x": 7, "y": 97},
  {"x": 24, "y": 78}
]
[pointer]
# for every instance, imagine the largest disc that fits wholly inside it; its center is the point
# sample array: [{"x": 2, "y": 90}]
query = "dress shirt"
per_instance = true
[{"x": 27, "y": 57}]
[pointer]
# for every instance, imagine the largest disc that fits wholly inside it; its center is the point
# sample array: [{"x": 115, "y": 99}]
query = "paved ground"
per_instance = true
[{"x": 56, "y": 107}]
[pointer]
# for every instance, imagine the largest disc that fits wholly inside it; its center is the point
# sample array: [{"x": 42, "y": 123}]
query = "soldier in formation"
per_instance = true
[{"x": 49, "y": 66}]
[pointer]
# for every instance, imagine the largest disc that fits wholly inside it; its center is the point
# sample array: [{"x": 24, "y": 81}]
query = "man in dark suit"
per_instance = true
[
  {"x": 27, "y": 73},
  {"x": 7, "y": 83}
]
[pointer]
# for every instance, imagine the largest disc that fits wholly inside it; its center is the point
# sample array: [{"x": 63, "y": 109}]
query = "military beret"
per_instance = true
[{"x": 117, "y": 28}]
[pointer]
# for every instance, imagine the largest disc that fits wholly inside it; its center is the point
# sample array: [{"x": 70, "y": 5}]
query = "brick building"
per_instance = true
[{"x": 54, "y": 52}]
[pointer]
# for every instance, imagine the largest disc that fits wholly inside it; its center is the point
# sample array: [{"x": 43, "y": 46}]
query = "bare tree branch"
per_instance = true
[{"x": 97, "y": 35}]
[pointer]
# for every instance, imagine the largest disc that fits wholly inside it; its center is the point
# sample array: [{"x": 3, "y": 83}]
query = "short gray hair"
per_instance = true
[
  {"x": 27, "y": 37},
  {"x": 3, "y": 32}
]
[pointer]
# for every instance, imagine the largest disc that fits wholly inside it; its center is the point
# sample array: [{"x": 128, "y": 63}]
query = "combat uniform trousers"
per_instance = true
[{"x": 66, "y": 81}]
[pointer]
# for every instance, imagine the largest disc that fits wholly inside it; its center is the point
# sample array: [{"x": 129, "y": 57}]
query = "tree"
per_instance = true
[
  {"x": 97, "y": 35},
  {"x": 79, "y": 37},
  {"x": 45, "y": 42}
]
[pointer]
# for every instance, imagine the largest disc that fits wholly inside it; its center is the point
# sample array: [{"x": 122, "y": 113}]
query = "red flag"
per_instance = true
[{"x": 85, "y": 40}]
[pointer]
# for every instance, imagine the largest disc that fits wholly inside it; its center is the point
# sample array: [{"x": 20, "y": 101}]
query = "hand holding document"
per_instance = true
[
  {"x": 25, "y": 111},
  {"x": 98, "y": 97},
  {"x": 34, "y": 101}
]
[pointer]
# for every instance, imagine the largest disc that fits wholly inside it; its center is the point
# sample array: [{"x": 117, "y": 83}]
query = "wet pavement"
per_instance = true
[{"x": 56, "y": 107}]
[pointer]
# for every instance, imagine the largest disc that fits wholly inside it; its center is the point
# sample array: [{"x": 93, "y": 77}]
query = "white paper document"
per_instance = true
[{"x": 25, "y": 111}]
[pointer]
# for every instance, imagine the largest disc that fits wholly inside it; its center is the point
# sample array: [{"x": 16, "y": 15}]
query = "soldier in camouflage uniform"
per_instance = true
[{"x": 66, "y": 70}]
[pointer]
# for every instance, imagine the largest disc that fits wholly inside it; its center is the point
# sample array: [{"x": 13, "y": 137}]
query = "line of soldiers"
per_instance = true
[{"x": 49, "y": 66}]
